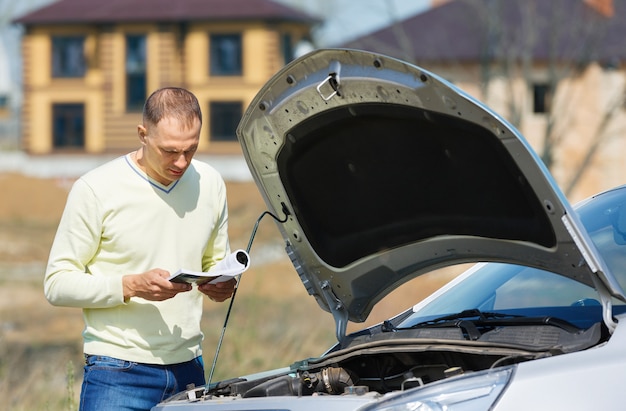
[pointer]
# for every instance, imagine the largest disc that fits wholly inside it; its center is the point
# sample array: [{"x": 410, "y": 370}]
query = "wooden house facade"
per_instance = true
[{"x": 88, "y": 66}]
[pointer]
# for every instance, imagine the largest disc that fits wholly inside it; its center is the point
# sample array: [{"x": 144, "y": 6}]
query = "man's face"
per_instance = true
[{"x": 168, "y": 148}]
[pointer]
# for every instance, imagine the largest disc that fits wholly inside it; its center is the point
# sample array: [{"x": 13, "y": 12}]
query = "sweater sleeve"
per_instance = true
[{"x": 67, "y": 280}]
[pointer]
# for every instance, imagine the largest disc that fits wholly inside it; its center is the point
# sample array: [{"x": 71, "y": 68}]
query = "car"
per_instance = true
[{"x": 378, "y": 171}]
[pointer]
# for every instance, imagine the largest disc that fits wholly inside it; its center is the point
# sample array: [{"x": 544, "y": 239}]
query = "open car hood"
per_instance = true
[{"x": 385, "y": 171}]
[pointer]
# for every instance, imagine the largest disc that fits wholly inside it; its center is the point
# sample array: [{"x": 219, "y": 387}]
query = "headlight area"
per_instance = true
[{"x": 474, "y": 391}]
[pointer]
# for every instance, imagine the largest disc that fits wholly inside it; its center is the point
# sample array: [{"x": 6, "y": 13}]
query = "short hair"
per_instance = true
[{"x": 173, "y": 102}]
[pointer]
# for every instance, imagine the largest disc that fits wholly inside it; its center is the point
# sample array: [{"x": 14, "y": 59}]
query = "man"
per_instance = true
[{"x": 126, "y": 227}]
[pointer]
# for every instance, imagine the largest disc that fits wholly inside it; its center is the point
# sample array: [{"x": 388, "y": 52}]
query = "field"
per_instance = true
[{"x": 273, "y": 322}]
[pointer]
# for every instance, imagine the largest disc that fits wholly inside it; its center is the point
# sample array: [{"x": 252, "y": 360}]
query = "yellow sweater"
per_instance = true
[{"x": 118, "y": 221}]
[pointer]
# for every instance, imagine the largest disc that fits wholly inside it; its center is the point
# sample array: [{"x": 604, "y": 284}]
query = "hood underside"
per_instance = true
[{"x": 386, "y": 171}]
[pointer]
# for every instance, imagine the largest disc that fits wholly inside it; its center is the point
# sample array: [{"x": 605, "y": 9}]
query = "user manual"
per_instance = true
[{"x": 234, "y": 264}]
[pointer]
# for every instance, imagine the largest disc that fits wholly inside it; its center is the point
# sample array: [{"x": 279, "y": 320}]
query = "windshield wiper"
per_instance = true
[
  {"x": 472, "y": 313},
  {"x": 466, "y": 320},
  {"x": 469, "y": 319}
]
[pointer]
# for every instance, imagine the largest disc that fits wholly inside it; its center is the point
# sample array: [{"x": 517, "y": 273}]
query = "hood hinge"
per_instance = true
[{"x": 337, "y": 309}]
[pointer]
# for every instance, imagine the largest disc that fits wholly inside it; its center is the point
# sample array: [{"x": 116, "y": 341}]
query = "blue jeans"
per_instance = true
[{"x": 112, "y": 384}]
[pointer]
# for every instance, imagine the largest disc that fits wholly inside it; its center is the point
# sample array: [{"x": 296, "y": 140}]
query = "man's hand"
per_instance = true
[
  {"x": 152, "y": 285},
  {"x": 219, "y": 292}
]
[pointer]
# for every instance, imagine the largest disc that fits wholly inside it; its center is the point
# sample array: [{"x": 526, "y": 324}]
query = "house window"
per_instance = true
[
  {"x": 286, "y": 45},
  {"x": 68, "y": 122},
  {"x": 135, "y": 72},
  {"x": 68, "y": 59},
  {"x": 226, "y": 55},
  {"x": 224, "y": 118},
  {"x": 542, "y": 98}
]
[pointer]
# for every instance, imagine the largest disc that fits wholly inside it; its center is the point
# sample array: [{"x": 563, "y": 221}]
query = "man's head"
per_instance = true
[{"x": 170, "y": 133}]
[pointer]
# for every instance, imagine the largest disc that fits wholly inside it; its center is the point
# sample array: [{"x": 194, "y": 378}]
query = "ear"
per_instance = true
[{"x": 142, "y": 133}]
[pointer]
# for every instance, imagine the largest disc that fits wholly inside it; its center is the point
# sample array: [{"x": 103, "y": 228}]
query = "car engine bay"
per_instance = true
[{"x": 387, "y": 362}]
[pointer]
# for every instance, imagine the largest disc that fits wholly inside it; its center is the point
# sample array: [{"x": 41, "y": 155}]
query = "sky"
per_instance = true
[{"x": 345, "y": 20}]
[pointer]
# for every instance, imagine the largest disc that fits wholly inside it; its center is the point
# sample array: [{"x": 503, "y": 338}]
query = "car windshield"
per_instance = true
[{"x": 528, "y": 291}]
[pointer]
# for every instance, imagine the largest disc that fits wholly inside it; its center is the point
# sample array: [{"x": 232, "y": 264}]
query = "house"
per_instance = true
[
  {"x": 555, "y": 69},
  {"x": 88, "y": 66}
]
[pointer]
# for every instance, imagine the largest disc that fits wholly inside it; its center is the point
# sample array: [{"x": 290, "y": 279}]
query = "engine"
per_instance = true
[{"x": 379, "y": 372}]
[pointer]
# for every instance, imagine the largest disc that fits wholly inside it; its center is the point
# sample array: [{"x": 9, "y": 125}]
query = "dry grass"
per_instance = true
[{"x": 274, "y": 322}]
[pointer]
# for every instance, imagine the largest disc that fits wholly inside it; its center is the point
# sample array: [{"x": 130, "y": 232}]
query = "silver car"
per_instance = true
[{"x": 381, "y": 171}]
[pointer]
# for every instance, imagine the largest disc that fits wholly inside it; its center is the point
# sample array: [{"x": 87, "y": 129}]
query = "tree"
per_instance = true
[{"x": 562, "y": 38}]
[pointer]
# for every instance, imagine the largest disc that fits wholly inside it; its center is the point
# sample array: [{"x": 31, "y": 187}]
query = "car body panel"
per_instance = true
[
  {"x": 386, "y": 171},
  {"x": 588, "y": 379}
]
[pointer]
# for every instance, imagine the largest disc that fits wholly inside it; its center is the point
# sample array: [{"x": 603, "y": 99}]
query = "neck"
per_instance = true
[{"x": 137, "y": 157}]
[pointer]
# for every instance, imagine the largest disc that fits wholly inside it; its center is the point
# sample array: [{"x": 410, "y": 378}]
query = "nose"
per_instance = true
[{"x": 181, "y": 161}]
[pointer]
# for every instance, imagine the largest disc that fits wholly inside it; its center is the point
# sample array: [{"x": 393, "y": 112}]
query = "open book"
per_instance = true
[{"x": 232, "y": 265}]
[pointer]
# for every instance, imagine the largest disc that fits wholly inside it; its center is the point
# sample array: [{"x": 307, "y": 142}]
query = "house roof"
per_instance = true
[
  {"x": 459, "y": 30},
  {"x": 116, "y": 11}
]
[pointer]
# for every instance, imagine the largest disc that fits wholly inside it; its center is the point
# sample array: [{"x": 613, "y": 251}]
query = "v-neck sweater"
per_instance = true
[{"x": 119, "y": 221}]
